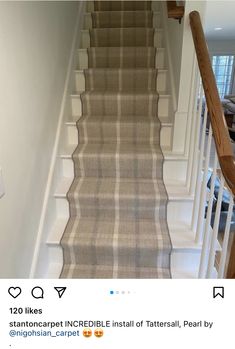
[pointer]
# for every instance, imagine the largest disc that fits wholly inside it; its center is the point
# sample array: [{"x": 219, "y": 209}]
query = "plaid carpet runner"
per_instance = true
[{"x": 117, "y": 226}]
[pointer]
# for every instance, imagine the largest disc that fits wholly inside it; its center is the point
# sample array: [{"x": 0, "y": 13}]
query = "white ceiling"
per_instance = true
[{"x": 220, "y": 14}]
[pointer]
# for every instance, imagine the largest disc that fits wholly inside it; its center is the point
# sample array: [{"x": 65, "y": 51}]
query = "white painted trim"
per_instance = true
[
  {"x": 168, "y": 54},
  {"x": 71, "y": 66}
]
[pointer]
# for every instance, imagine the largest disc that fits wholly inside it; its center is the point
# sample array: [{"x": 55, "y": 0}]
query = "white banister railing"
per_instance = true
[
  {"x": 210, "y": 156},
  {"x": 210, "y": 223}
]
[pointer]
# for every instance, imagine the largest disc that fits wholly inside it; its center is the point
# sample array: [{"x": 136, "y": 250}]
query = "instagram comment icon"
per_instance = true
[
  {"x": 99, "y": 332},
  {"x": 87, "y": 332}
]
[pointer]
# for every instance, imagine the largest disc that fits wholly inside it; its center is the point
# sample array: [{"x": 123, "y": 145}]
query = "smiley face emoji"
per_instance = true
[
  {"x": 87, "y": 332},
  {"x": 99, "y": 332}
]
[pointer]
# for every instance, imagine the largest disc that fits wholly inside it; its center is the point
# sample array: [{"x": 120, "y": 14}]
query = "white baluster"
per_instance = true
[
  {"x": 226, "y": 239},
  {"x": 201, "y": 214},
  {"x": 195, "y": 131},
  {"x": 206, "y": 240},
  {"x": 215, "y": 231},
  {"x": 199, "y": 173}
]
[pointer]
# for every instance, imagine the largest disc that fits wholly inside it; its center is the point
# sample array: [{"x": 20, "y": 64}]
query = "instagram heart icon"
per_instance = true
[{"x": 14, "y": 291}]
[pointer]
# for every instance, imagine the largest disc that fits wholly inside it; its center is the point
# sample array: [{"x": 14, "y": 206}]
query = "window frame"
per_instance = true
[{"x": 216, "y": 53}]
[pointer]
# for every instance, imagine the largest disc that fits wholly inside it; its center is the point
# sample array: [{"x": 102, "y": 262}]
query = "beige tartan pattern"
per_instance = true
[
  {"x": 125, "y": 37},
  {"x": 117, "y": 201},
  {"x": 136, "y": 160},
  {"x": 122, "y": 5},
  {"x": 103, "y": 130},
  {"x": 125, "y": 103},
  {"x": 121, "y": 57},
  {"x": 118, "y": 19},
  {"x": 121, "y": 79}
]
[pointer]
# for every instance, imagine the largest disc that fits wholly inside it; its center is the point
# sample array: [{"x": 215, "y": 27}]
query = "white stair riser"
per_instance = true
[
  {"x": 166, "y": 136},
  {"x": 175, "y": 170},
  {"x": 162, "y": 77},
  {"x": 62, "y": 207},
  {"x": 83, "y": 58},
  {"x": 164, "y": 105},
  {"x": 86, "y": 38},
  {"x": 72, "y": 134},
  {"x": 180, "y": 259},
  {"x": 161, "y": 81},
  {"x": 88, "y": 20},
  {"x": 68, "y": 167},
  {"x": 55, "y": 261},
  {"x": 179, "y": 212}
]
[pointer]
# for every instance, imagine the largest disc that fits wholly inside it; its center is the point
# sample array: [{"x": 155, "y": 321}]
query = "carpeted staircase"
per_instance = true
[{"x": 117, "y": 226}]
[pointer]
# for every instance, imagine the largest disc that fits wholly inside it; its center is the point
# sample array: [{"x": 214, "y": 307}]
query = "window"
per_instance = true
[{"x": 223, "y": 67}]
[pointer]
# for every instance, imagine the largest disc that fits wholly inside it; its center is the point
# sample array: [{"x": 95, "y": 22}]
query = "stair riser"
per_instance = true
[
  {"x": 83, "y": 59},
  {"x": 55, "y": 261},
  {"x": 67, "y": 167},
  {"x": 161, "y": 82},
  {"x": 165, "y": 137},
  {"x": 179, "y": 213},
  {"x": 88, "y": 206},
  {"x": 182, "y": 258},
  {"x": 88, "y": 20},
  {"x": 106, "y": 167},
  {"x": 104, "y": 131},
  {"x": 104, "y": 254},
  {"x": 164, "y": 106},
  {"x": 62, "y": 206},
  {"x": 85, "y": 42},
  {"x": 90, "y": 6},
  {"x": 72, "y": 134},
  {"x": 175, "y": 170}
]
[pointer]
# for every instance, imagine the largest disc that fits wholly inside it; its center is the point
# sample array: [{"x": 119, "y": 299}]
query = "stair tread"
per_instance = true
[
  {"x": 81, "y": 71},
  {"x": 145, "y": 226},
  {"x": 128, "y": 149},
  {"x": 122, "y": 5},
  {"x": 118, "y": 48},
  {"x": 182, "y": 239},
  {"x": 116, "y": 19},
  {"x": 122, "y": 69},
  {"x": 126, "y": 11},
  {"x": 65, "y": 183},
  {"x": 106, "y": 271},
  {"x": 115, "y": 93},
  {"x": 99, "y": 11},
  {"x": 103, "y": 229},
  {"x": 110, "y": 180},
  {"x": 123, "y": 119},
  {"x": 111, "y": 118},
  {"x": 124, "y": 29},
  {"x": 120, "y": 93}
]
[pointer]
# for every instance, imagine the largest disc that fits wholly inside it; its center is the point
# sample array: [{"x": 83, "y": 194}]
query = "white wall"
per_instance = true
[
  {"x": 175, "y": 34},
  {"x": 35, "y": 42},
  {"x": 185, "y": 70},
  {"x": 222, "y": 47}
]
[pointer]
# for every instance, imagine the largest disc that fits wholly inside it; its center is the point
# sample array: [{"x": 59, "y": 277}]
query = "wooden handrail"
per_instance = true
[
  {"x": 231, "y": 264},
  {"x": 175, "y": 11},
  {"x": 216, "y": 114}
]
